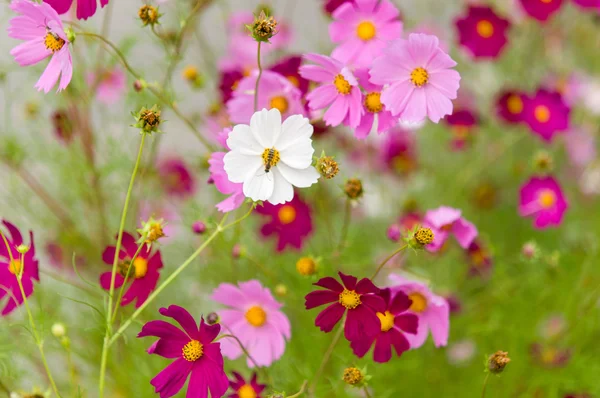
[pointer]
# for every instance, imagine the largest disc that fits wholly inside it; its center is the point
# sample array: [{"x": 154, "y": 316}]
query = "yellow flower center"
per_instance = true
[
  {"x": 306, "y": 266},
  {"x": 140, "y": 266},
  {"x": 294, "y": 80},
  {"x": 366, "y": 30},
  {"x": 280, "y": 103},
  {"x": 349, "y": 299},
  {"x": 246, "y": 391},
  {"x": 419, "y": 302},
  {"x": 373, "y": 102},
  {"x": 387, "y": 320},
  {"x": 542, "y": 113},
  {"x": 547, "y": 198},
  {"x": 15, "y": 266},
  {"x": 460, "y": 132},
  {"x": 514, "y": 103},
  {"x": 342, "y": 85},
  {"x": 256, "y": 316},
  {"x": 190, "y": 73},
  {"x": 270, "y": 158},
  {"x": 192, "y": 351},
  {"x": 419, "y": 77},
  {"x": 485, "y": 29},
  {"x": 549, "y": 355},
  {"x": 53, "y": 42},
  {"x": 287, "y": 214}
]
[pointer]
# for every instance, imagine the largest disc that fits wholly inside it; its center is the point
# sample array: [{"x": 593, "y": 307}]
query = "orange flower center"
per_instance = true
[
  {"x": 349, "y": 299},
  {"x": 280, "y": 103},
  {"x": 366, "y": 30},
  {"x": 547, "y": 198},
  {"x": 373, "y": 102},
  {"x": 419, "y": 302},
  {"x": 542, "y": 113},
  {"x": 514, "y": 103},
  {"x": 246, "y": 391},
  {"x": 342, "y": 85},
  {"x": 387, "y": 320},
  {"x": 294, "y": 80},
  {"x": 419, "y": 77},
  {"x": 485, "y": 29},
  {"x": 287, "y": 214},
  {"x": 53, "y": 42},
  {"x": 256, "y": 316},
  {"x": 15, "y": 266}
]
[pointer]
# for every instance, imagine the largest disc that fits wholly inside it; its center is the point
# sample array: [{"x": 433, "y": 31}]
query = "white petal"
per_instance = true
[
  {"x": 282, "y": 191},
  {"x": 239, "y": 166},
  {"x": 299, "y": 155},
  {"x": 294, "y": 128},
  {"x": 259, "y": 185},
  {"x": 299, "y": 178},
  {"x": 241, "y": 138},
  {"x": 266, "y": 127}
]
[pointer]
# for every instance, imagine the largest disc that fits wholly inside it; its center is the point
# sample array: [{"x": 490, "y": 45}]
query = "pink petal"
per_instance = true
[{"x": 30, "y": 52}]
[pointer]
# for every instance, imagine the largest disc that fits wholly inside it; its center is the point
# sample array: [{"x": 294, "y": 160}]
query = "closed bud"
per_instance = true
[
  {"x": 148, "y": 120},
  {"x": 327, "y": 166},
  {"x": 497, "y": 362},
  {"x": 199, "y": 227},
  {"x": 212, "y": 318},
  {"x": 353, "y": 188},
  {"x": 263, "y": 28},
  {"x": 148, "y": 15},
  {"x": 306, "y": 266},
  {"x": 59, "y": 330},
  {"x": 543, "y": 162},
  {"x": 139, "y": 85}
]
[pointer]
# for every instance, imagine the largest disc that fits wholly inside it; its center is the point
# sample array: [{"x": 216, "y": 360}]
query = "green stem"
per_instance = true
[
  {"x": 301, "y": 390},
  {"x": 326, "y": 359},
  {"x": 487, "y": 376},
  {"x": 137, "y": 252},
  {"x": 345, "y": 225},
  {"x": 257, "y": 79},
  {"x": 243, "y": 349},
  {"x": 388, "y": 258},
  {"x": 114, "y": 268},
  {"x": 367, "y": 393}
]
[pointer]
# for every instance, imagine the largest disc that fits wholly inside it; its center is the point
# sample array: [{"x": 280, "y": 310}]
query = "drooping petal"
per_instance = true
[
  {"x": 172, "y": 378},
  {"x": 183, "y": 317},
  {"x": 330, "y": 283},
  {"x": 30, "y": 52}
]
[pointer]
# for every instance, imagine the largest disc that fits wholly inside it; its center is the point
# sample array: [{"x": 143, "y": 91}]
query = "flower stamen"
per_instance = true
[
  {"x": 373, "y": 102},
  {"x": 386, "y": 319},
  {"x": 256, "y": 316},
  {"x": 53, "y": 42},
  {"x": 419, "y": 302},
  {"x": 192, "y": 351},
  {"x": 342, "y": 85},
  {"x": 419, "y": 77},
  {"x": 349, "y": 299},
  {"x": 366, "y": 30}
]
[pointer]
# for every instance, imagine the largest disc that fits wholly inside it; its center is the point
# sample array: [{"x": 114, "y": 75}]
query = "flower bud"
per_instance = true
[
  {"x": 212, "y": 318},
  {"x": 530, "y": 251},
  {"x": 263, "y": 28},
  {"x": 22, "y": 248},
  {"x": 148, "y": 120},
  {"x": 327, "y": 166},
  {"x": 199, "y": 227},
  {"x": 306, "y": 266},
  {"x": 497, "y": 362},
  {"x": 139, "y": 85},
  {"x": 543, "y": 162},
  {"x": 151, "y": 231},
  {"x": 281, "y": 290},
  {"x": 420, "y": 238},
  {"x": 237, "y": 251},
  {"x": 355, "y": 377},
  {"x": 353, "y": 188},
  {"x": 394, "y": 233},
  {"x": 148, "y": 15},
  {"x": 59, "y": 330},
  {"x": 191, "y": 75}
]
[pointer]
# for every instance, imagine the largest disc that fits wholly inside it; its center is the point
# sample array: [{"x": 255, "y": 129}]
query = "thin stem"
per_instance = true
[
  {"x": 345, "y": 225},
  {"x": 487, "y": 376},
  {"x": 242, "y": 347},
  {"x": 72, "y": 371},
  {"x": 326, "y": 359},
  {"x": 257, "y": 78},
  {"x": 114, "y": 268},
  {"x": 301, "y": 390},
  {"x": 367, "y": 393},
  {"x": 131, "y": 265},
  {"x": 388, "y": 258}
]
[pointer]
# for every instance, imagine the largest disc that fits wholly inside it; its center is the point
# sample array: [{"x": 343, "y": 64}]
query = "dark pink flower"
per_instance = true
[
  {"x": 176, "y": 178},
  {"x": 144, "y": 275},
  {"x": 463, "y": 124},
  {"x": 290, "y": 222},
  {"x": 541, "y": 9},
  {"x": 394, "y": 322},
  {"x": 483, "y": 32},
  {"x": 480, "y": 259},
  {"x": 588, "y": 4},
  {"x": 546, "y": 114},
  {"x": 196, "y": 355},
  {"x": 398, "y": 151},
  {"x": 444, "y": 221},
  {"x": 10, "y": 268},
  {"x": 510, "y": 106},
  {"x": 358, "y": 300},
  {"x": 228, "y": 82},
  {"x": 289, "y": 67},
  {"x": 245, "y": 389},
  {"x": 542, "y": 199},
  {"x": 330, "y": 6},
  {"x": 85, "y": 8}
]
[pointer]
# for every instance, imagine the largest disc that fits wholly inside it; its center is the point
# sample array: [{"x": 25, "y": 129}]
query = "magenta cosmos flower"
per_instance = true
[
  {"x": 463, "y": 124},
  {"x": 542, "y": 199},
  {"x": 338, "y": 92},
  {"x": 541, "y": 9},
  {"x": 398, "y": 151},
  {"x": 290, "y": 222},
  {"x": 395, "y": 322},
  {"x": 482, "y": 32},
  {"x": 195, "y": 354},
  {"x": 373, "y": 108},
  {"x": 546, "y": 114},
  {"x": 245, "y": 389},
  {"x": 421, "y": 83},
  {"x": 444, "y": 221},
  {"x": 510, "y": 106},
  {"x": 144, "y": 275},
  {"x": 480, "y": 259},
  {"x": 10, "y": 267},
  {"x": 433, "y": 311},
  {"x": 255, "y": 318},
  {"x": 111, "y": 84},
  {"x": 176, "y": 177},
  {"x": 361, "y": 29},
  {"x": 358, "y": 300},
  {"x": 330, "y": 6},
  {"x": 274, "y": 91},
  {"x": 45, "y": 36},
  {"x": 588, "y": 4},
  {"x": 289, "y": 68},
  {"x": 85, "y": 8}
]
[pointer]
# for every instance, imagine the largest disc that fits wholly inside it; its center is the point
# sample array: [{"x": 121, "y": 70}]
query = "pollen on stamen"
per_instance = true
[
  {"x": 53, "y": 42},
  {"x": 192, "y": 351},
  {"x": 342, "y": 85},
  {"x": 373, "y": 102},
  {"x": 349, "y": 299},
  {"x": 419, "y": 77}
]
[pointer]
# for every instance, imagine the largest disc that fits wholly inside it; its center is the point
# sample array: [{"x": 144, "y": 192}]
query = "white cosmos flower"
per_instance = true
[{"x": 269, "y": 157}]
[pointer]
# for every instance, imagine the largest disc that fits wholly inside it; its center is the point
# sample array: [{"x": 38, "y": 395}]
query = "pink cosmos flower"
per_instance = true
[
  {"x": 463, "y": 124},
  {"x": 361, "y": 29},
  {"x": 85, "y": 8},
  {"x": 176, "y": 177},
  {"x": 359, "y": 300},
  {"x": 542, "y": 199},
  {"x": 372, "y": 108},
  {"x": 483, "y": 32},
  {"x": 45, "y": 36},
  {"x": 245, "y": 389},
  {"x": 111, "y": 85},
  {"x": 541, "y": 9},
  {"x": 290, "y": 222},
  {"x": 546, "y": 114},
  {"x": 433, "y": 311},
  {"x": 289, "y": 67},
  {"x": 274, "y": 91},
  {"x": 395, "y": 322},
  {"x": 398, "y": 151},
  {"x": 144, "y": 275},
  {"x": 223, "y": 185},
  {"x": 510, "y": 106},
  {"x": 444, "y": 221},
  {"x": 581, "y": 146},
  {"x": 339, "y": 91},
  {"x": 255, "y": 318},
  {"x": 196, "y": 355},
  {"x": 588, "y": 4},
  {"x": 421, "y": 83},
  {"x": 10, "y": 267}
]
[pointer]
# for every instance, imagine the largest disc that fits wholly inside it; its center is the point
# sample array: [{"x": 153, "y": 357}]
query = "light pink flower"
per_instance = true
[
  {"x": 111, "y": 85},
  {"x": 255, "y": 318},
  {"x": 223, "y": 185},
  {"x": 274, "y": 91},
  {"x": 433, "y": 311},
  {"x": 421, "y": 83},
  {"x": 372, "y": 108},
  {"x": 362, "y": 28},
  {"x": 444, "y": 221},
  {"x": 45, "y": 36},
  {"x": 542, "y": 199},
  {"x": 339, "y": 91},
  {"x": 581, "y": 146}
]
